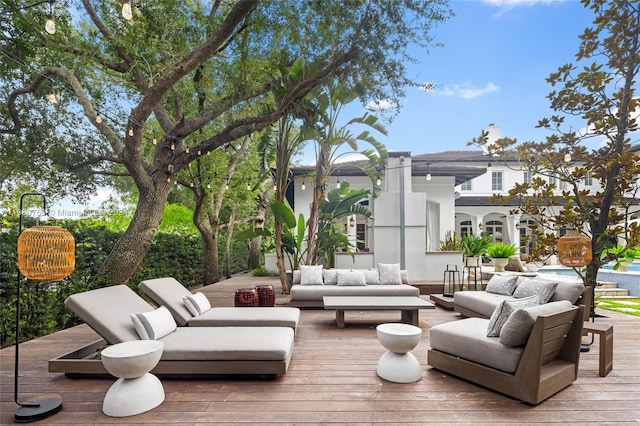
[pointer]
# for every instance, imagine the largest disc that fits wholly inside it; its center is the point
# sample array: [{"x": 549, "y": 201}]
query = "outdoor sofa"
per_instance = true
[
  {"x": 188, "y": 351},
  {"x": 312, "y": 283},
  {"x": 534, "y": 355},
  {"x": 169, "y": 292}
]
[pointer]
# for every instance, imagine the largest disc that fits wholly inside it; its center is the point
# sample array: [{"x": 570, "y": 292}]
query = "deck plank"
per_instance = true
[{"x": 332, "y": 379}]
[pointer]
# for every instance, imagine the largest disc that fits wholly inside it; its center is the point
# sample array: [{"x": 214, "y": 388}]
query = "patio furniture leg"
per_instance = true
[
  {"x": 410, "y": 316},
  {"x": 340, "y": 318},
  {"x": 605, "y": 333}
]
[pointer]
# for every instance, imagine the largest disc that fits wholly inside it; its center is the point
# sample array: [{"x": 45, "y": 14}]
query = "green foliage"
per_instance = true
[
  {"x": 621, "y": 253},
  {"x": 178, "y": 219},
  {"x": 497, "y": 250},
  {"x": 475, "y": 245},
  {"x": 451, "y": 242}
]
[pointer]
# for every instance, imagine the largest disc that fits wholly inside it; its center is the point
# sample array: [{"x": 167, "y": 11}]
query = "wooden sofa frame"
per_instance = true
[{"x": 549, "y": 362}]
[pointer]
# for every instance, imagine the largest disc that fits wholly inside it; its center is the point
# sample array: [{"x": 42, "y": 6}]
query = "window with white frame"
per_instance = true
[
  {"x": 562, "y": 185},
  {"x": 526, "y": 178},
  {"x": 496, "y": 181},
  {"x": 466, "y": 186},
  {"x": 588, "y": 179}
]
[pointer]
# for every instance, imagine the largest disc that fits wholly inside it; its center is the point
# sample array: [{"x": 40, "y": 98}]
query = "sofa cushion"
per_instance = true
[
  {"x": 197, "y": 303},
  {"x": 534, "y": 287},
  {"x": 389, "y": 273},
  {"x": 479, "y": 301},
  {"x": 296, "y": 277},
  {"x": 155, "y": 324},
  {"x": 310, "y": 274},
  {"x": 330, "y": 276},
  {"x": 351, "y": 278},
  {"x": 517, "y": 328},
  {"x": 468, "y": 339},
  {"x": 504, "y": 310},
  {"x": 502, "y": 284},
  {"x": 570, "y": 291},
  {"x": 316, "y": 292},
  {"x": 371, "y": 277}
]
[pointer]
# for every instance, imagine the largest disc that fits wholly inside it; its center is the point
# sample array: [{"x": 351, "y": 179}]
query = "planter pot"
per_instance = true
[
  {"x": 472, "y": 261},
  {"x": 499, "y": 263},
  {"x": 624, "y": 265}
]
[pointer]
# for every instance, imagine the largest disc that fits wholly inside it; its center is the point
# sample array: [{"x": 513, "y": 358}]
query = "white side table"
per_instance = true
[
  {"x": 136, "y": 390},
  {"x": 398, "y": 364}
]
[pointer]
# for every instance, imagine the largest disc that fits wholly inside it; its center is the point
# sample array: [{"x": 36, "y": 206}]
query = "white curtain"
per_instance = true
[{"x": 433, "y": 226}]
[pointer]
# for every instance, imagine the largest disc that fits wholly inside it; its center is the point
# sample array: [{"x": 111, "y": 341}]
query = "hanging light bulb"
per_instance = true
[
  {"x": 130, "y": 131},
  {"x": 338, "y": 183},
  {"x": 226, "y": 186},
  {"x": 173, "y": 146},
  {"x": 50, "y": 24},
  {"x": 98, "y": 118},
  {"x": 192, "y": 184},
  {"x": 126, "y": 10},
  {"x": 154, "y": 141},
  {"x": 199, "y": 152},
  {"x": 303, "y": 187},
  {"x": 428, "y": 176},
  {"x": 567, "y": 157},
  {"x": 489, "y": 168},
  {"x": 248, "y": 187},
  {"x": 208, "y": 186},
  {"x": 378, "y": 181},
  {"x": 275, "y": 187},
  {"x": 168, "y": 180},
  {"x": 51, "y": 97},
  {"x": 186, "y": 150}
]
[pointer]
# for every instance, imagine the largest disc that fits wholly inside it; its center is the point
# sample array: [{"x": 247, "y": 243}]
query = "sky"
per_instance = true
[{"x": 491, "y": 69}]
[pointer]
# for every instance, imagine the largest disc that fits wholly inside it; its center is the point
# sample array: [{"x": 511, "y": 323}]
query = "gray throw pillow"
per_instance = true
[
  {"x": 330, "y": 276},
  {"x": 517, "y": 328},
  {"x": 389, "y": 273},
  {"x": 310, "y": 274},
  {"x": 568, "y": 291},
  {"x": 532, "y": 287},
  {"x": 502, "y": 284},
  {"x": 504, "y": 309},
  {"x": 351, "y": 278},
  {"x": 371, "y": 276}
]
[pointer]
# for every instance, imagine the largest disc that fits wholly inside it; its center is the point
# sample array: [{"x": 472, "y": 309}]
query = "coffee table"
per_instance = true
[{"x": 408, "y": 305}]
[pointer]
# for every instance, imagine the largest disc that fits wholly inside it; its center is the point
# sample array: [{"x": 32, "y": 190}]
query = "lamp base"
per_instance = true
[{"x": 44, "y": 409}]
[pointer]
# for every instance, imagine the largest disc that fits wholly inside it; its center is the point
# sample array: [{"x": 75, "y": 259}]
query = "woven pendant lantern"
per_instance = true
[
  {"x": 574, "y": 250},
  {"x": 46, "y": 253}
]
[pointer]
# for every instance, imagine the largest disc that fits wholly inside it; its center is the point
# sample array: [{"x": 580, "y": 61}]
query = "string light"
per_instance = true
[
  {"x": 303, "y": 187},
  {"x": 154, "y": 141},
  {"x": 50, "y": 24},
  {"x": 127, "y": 13},
  {"x": 168, "y": 180},
  {"x": 378, "y": 181},
  {"x": 489, "y": 168},
  {"x": 428, "y": 172},
  {"x": 199, "y": 153},
  {"x": 337, "y": 183},
  {"x": 186, "y": 150},
  {"x": 567, "y": 157},
  {"x": 130, "y": 131},
  {"x": 98, "y": 118},
  {"x": 226, "y": 186},
  {"x": 173, "y": 146},
  {"x": 248, "y": 187},
  {"x": 51, "y": 97}
]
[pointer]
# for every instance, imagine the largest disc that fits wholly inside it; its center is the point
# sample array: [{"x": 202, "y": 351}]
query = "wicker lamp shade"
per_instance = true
[
  {"x": 46, "y": 253},
  {"x": 574, "y": 250}
]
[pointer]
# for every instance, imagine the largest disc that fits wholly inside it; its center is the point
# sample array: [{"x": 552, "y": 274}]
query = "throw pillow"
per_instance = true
[
  {"x": 568, "y": 291},
  {"x": 351, "y": 278},
  {"x": 197, "y": 303},
  {"x": 530, "y": 287},
  {"x": 330, "y": 276},
  {"x": 372, "y": 276},
  {"x": 503, "y": 310},
  {"x": 516, "y": 330},
  {"x": 310, "y": 274},
  {"x": 502, "y": 284},
  {"x": 389, "y": 273},
  {"x": 155, "y": 324}
]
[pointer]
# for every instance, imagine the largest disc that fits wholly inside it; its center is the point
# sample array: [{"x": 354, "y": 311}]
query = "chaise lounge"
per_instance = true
[
  {"x": 170, "y": 293},
  {"x": 188, "y": 351}
]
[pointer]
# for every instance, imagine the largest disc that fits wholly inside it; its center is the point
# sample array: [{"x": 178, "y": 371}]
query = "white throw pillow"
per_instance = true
[
  {"x": 330, "y": 276},
  {"x": 197, "y": 303},
  {"x": 504, "y": 309},
  {"x": 530, "y": 287},
  {"x": 372, "y": 276},
  {"x": 389, "y": 273},
  {"x": 351, "y": 278},
  {"x": 155, "y": 324},
  {"x": 310, "y": 274},
  {"x": 502, "y": 284}
]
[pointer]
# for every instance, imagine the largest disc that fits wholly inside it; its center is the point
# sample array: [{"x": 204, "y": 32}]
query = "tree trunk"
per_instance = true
[
  {"x": 312, "y": 249},
  {"x": 282, "y": 271},
  {"x": 127, "y": 254},
  {"x": 258, "y": 222},
  {"x": 227, "y": 246}
]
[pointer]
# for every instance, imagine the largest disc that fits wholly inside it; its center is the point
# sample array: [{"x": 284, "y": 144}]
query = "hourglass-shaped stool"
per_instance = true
[
  {"x": 398, "y": 364},
  {"x": 136, "y": 390}
]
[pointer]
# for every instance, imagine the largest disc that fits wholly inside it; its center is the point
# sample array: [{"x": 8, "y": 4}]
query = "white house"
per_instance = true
[{"x": 423, "y": 197}]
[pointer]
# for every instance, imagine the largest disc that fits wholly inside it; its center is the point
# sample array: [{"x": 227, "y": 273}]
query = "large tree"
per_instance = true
[
  {"x": 143, "y": 74},
  {"x": 601, "y": 90}
]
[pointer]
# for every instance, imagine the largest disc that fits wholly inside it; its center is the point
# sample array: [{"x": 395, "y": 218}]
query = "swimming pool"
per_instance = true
[{"x": 629, "y": 280}]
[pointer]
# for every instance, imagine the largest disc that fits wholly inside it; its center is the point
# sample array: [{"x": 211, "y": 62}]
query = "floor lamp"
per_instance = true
[{"x": 45, "y": 253}]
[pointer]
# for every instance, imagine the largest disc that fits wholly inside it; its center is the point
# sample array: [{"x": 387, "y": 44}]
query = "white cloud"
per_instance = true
[
  {"x": 467, "y": 90},
  {"x": 380, "y": 105},
  {"x": 514, "y": 3}
]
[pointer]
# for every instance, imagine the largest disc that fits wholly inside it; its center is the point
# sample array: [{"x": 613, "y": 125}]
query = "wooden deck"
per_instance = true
[{"x": 332, "y": 379}]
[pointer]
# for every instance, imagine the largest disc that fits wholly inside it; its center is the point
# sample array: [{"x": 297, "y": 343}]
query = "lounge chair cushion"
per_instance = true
[
  {"x": 110, "y": 320},
  {"x": 479, "y": 301},
  {"x": 517, "y": 328},
  {"x": 467, "y": 339},
  {"x": 197, "y": 303},
  {"x": 228, "y": 343},
  {"x": 530, "y": 287},
  {"x": 155, "y": 324},
  {"x": 389, "y": 273},
  {"x": 169, "y": 292},
  {"x": 504, "y": 310},
  {"x": 502, "y": 284}
]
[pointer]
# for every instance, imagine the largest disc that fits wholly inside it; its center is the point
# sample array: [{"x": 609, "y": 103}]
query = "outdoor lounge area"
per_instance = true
[{"x": 332, "y": 379}]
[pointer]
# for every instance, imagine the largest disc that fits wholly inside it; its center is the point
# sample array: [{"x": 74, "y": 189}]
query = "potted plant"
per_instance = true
[
  {"x": 474, "y": 247},
  {"x": 623, "y": 256},
  {"x": 500, "y": 253}
]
